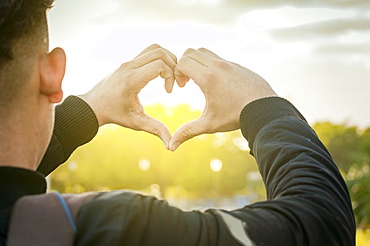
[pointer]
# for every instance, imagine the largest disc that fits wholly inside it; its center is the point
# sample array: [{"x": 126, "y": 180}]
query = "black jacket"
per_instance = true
[{"x": 308, "y": 202}]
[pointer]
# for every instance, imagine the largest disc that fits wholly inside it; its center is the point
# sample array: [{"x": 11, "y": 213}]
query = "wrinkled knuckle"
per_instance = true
[
  {"x": 155, "y": 132},
  {"x": 187, "y": 135}
]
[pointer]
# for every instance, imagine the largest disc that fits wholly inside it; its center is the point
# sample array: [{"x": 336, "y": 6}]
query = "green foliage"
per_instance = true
[
  {"x": 350, "y": 149},
  {"x": 360, "y": 194},
  {"x": 342, "y": 142}
]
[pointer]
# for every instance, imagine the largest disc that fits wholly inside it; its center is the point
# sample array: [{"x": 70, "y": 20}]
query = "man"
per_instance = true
[{"x": 308, "y": 202}]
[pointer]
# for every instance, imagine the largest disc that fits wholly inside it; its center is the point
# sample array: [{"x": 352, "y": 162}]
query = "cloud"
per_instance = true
[
  {"x": 139, "y": 11},
  {"x": 344, "y": 49},
  {"x": 323, "y": 28},
  {"x": 225, "y": 13},
  {"x": 353, "y": 4}
]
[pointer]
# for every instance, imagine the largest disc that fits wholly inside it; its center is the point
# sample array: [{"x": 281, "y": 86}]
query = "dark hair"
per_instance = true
[
  {"x": 19, "y": 18},
  {"x": 23, "y": 32}
]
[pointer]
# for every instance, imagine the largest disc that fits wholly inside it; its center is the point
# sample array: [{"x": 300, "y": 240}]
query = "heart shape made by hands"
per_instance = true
[{"x": 227, "y": 88}]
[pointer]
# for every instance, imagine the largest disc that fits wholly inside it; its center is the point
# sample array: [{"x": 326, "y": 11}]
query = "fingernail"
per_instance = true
[{"x": 175, "y": 146}]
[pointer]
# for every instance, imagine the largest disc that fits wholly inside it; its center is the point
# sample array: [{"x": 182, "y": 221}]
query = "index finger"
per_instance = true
[
  {"x": 188, "y": 67},
  {"x": 150, "y": 56},
  {"x": 154, "y": 47}
]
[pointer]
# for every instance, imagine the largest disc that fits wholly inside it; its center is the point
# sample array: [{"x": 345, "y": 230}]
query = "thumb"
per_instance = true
[
  {"x": 156, "y": 128},
  {"x": 187, "y": 131}
]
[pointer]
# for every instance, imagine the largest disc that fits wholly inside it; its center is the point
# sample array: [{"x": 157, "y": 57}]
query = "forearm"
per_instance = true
[
  {"x": 75, "y": 125},
  {"x": 308, "y": 202},
  {"x": 127, "y": 218}
]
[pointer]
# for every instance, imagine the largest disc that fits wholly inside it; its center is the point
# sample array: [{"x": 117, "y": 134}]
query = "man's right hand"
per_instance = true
[
  {"x": 227, "y": 87},
  {"x": 115, "y": 99}
]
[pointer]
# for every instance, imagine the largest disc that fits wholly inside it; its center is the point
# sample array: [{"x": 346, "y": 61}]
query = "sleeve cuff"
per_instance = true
[
  {"x": 76, "y": 123},
  {"x": 258, "y": 113}
]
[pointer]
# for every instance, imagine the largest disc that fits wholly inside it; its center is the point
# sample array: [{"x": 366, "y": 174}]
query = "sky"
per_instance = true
[{"x": 315, "y": 53}]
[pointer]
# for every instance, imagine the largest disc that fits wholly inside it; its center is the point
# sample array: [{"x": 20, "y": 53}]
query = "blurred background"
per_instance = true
[{"x": 314, "y": 53}]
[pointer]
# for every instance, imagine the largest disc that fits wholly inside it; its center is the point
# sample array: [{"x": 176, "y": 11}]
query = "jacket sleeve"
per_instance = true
[
  {"x": 75, "y": 125},
  {"x": 307, "y": 199},
  {"x": 308, "y": 202}
]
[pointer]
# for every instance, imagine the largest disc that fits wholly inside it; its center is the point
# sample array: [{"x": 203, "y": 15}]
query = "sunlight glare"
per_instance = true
[
  {"x": 144, "y": 164},
  {"x": 216, "y": 165}
]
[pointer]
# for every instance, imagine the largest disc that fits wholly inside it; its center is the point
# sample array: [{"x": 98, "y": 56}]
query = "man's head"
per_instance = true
[
  {"x": 30, "y": 79},
  {"x": 23, "y": 33}
]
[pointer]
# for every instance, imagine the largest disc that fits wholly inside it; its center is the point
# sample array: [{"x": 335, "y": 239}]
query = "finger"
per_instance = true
[
  {"x": 174, "y": 58},
  {"x": 186, "y": 132},
  {"x": 156, "y": 128},
  {"x": 169, "y": 83},
  {"x": 149, "y": 48},
  {"x": 154, "y": 47},
  {"x": 209, "y": 53},
  {"x": 142, "y": 75},
  {"x": 187, "y": 68},
  {"x": 153, "y": 55},
  {"x": 199, "y": 56},
  {"x": 181, "y": 78},
  {"x": 169, "y": 78}
]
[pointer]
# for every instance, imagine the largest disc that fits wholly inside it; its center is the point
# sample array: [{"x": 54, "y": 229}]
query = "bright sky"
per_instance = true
[{"x": 314, "y": 53}]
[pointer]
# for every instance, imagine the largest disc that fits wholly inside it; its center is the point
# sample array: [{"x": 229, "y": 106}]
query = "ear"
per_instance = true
[{"x": 52, "y": 70}]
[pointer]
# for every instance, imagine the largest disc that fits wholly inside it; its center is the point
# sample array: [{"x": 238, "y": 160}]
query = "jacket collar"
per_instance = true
[{"x": 18, "y": 182}]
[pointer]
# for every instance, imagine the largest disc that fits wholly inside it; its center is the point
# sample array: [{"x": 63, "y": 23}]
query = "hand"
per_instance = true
[
  {"x": 227, "y": 87},
  {"x": 115, "y": 99}
]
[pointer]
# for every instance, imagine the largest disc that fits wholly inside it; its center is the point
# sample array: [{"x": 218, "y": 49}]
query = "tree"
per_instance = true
[
  {"x": 350, "y": 149},
  {"x": 341, "y": 141}
]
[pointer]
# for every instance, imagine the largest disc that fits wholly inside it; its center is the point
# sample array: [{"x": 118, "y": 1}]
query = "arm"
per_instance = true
[{"x": 308, "y": 202}]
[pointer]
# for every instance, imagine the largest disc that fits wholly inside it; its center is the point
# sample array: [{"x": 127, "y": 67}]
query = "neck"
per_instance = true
[
  {"x": 17, "y": 147},
  {"x": 25, "y": 133}
]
